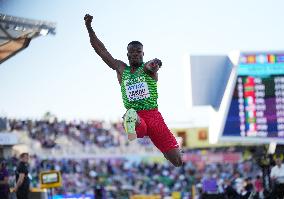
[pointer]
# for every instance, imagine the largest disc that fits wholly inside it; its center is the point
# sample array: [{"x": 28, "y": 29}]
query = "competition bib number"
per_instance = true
[{"x": 137, "y": 91}]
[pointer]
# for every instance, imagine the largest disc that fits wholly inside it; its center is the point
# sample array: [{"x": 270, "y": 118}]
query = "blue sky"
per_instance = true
[{"x": 62, "y": 73}]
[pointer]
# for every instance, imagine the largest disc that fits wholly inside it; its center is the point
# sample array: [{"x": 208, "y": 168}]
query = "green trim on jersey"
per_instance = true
[{"x": 139, "y": 90}]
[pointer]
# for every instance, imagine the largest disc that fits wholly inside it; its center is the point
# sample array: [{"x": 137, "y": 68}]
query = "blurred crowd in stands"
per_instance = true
[
  {"x": 118, "y": 177},
  {"x": 100, "y": 133}
]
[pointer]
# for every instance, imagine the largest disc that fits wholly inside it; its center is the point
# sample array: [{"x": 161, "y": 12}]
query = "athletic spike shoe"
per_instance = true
[{"x": 129, "y": 121}]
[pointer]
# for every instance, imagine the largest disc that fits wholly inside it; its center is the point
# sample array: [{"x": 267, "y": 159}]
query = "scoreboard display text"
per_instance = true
[{"x": 257, "y": 105}]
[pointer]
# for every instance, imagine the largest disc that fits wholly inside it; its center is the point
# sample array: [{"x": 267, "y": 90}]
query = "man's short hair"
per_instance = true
[
  {"x": 22, "y": 155},
  {"x": 135, "y": 43}
]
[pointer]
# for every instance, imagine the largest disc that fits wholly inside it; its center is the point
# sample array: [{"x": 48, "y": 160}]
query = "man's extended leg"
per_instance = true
[
  {"x": 174, "y": 156},
  {"x": 161, "y": 136}
]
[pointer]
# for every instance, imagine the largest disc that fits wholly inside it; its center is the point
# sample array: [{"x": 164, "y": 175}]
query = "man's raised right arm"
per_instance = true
[{"x": 99, "y": 47}]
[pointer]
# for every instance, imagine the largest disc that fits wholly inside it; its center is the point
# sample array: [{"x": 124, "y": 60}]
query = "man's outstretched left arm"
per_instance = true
[{"x": 153, "y": 66}]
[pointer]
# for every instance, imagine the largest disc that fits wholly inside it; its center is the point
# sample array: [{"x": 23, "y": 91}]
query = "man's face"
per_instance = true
[
  {"x": 135, "y": 55},
  {"x": 278, "y": 161},
  {"x": 26, "y": 158}
]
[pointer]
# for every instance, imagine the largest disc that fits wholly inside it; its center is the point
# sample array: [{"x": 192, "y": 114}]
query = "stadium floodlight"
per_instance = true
[
  {"x": 16, "y": 33},
  {"x": 27, "y": 24},
  {"x": 43, "y": 32}
]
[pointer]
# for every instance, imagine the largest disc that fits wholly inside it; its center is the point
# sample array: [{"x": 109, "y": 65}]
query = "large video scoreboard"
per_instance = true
[{"x": 257, "y": 106}]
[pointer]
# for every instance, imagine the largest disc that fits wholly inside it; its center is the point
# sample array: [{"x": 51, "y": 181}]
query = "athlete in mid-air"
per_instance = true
[{"x": 138, "y": 82}]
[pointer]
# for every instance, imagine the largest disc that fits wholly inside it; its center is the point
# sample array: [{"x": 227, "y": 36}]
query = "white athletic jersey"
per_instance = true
[{"x": 278, "y": 173}]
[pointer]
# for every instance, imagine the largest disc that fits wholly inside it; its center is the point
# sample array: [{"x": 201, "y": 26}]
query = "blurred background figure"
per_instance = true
[
  {"x": 22, "y": 187},
  {"x": 248, "y": 189},
  {"x": 4, "y": 180},
  {"x": 230, "y": 192},
  {"x": 209, "y": 185},
  {"x": 277, "y": 177},
  {"x": 238, "y": 183},
  {"x": 258, "y": 187}
]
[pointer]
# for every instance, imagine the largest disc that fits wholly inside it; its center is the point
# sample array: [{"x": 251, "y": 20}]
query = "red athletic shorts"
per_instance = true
[{"x": 153, "y": 125}]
